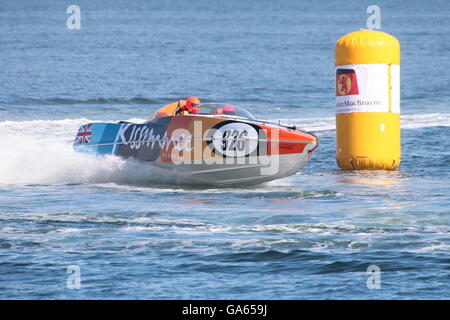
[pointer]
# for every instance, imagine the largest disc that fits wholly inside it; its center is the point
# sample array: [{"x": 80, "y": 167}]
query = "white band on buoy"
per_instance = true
[{"x": 365, "y": 88}]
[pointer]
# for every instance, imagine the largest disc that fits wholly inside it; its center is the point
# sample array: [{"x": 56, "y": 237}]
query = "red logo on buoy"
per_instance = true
[{"x": 346, "y": 83}]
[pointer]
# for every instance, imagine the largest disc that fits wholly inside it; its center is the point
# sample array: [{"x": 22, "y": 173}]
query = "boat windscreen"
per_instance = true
[{"x": 222, "y": 109}]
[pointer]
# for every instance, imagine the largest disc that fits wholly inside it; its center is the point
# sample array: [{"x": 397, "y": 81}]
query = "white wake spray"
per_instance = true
[{"x": 40, "y": 151}]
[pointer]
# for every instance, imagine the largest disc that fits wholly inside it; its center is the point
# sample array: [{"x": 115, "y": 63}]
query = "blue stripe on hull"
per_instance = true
[{"x": 102, "y": 133}]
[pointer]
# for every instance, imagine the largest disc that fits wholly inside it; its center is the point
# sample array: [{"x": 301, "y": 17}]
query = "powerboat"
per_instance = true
[{"x": 222, "y": 145}]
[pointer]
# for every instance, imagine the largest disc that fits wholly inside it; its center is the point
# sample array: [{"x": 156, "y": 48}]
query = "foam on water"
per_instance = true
[{"x": 408, "y": 121}]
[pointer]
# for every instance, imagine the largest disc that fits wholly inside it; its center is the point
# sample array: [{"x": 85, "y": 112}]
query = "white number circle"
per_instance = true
[{"x": 235, "y": 140}]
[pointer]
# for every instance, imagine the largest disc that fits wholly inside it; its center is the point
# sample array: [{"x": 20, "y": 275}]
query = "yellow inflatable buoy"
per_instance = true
[{"x": 368, "y": 101}]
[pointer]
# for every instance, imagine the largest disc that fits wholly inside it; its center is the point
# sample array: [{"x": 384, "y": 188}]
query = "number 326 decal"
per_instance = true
[{"x": 234, "y": 139}]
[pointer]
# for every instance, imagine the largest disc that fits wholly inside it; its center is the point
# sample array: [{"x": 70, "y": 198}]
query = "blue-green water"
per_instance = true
[{"x": 136, "y": 232}]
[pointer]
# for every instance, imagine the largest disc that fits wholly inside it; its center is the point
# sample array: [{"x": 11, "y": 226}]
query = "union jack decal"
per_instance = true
[{"x": 84, "y": 134}]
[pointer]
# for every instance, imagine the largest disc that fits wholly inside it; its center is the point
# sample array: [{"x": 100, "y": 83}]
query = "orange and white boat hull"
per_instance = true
[{"x": 211, "y": 149}]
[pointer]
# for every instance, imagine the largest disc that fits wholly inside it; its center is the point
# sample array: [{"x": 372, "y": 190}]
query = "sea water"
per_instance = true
[{"x": 75, "y": 226}]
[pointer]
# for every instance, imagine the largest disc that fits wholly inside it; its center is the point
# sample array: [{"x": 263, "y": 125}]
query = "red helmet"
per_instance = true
[
  {"x": 229, "y": 109},
  {"x": 192, "y": 105}
]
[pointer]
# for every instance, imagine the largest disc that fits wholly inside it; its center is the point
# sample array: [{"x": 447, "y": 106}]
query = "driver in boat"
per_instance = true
[
  {"x": 191, "y": 106},
  {"x": 228, "y": 109}
]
